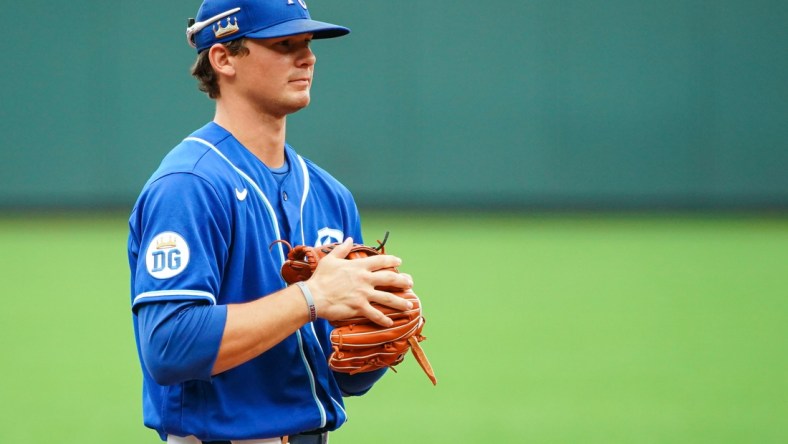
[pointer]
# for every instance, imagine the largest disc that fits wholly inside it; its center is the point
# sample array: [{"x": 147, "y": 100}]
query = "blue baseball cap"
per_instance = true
[{"x": 220, "y": 21}]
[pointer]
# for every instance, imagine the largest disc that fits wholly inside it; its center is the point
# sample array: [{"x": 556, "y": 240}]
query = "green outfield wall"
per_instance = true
[{"x": 460, "y": 103}]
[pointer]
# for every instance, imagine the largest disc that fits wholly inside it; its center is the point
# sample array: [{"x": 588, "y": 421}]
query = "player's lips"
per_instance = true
[{"x": 301, "y": 81}]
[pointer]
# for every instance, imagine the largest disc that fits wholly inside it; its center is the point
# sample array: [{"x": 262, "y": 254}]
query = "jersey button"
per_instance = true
[{"x": 284, "y": 195}]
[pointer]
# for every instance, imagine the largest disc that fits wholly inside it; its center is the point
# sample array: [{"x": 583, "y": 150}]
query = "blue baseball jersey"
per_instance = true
[{"x": 200, "y": 233}]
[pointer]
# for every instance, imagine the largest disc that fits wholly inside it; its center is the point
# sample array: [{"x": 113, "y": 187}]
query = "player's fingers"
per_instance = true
[
  {"x": 388, "y": 278},
  {"x": 341, "y": 251},
  {"x": 390, "y": 300},
  {"x": 377, "y": 316},
  {"x": 380, "y": 262}
]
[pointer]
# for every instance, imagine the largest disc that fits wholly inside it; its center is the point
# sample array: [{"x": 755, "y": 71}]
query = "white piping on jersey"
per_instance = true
[
  {"x": 303, "y": 242},
  {"x": 303, "y": 198},
  {"x": 254, "y": 185},
  {"x": 312, "y": 326},
  {"x": 155, "y": 294},
  {"x": 322, "y": 409},
  {"x": 312, "y": 381},
  {"x": 275, "y": 222}
]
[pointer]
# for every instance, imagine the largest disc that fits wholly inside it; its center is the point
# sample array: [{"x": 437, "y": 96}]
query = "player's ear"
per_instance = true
[{"x": 220, "y": 59}]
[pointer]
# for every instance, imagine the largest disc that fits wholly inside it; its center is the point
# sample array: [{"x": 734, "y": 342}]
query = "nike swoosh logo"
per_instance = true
[{"x": 241, "y": 195}]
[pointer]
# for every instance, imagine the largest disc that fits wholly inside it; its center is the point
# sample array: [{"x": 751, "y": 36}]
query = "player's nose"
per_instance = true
[{"x": 307, "y": 57}]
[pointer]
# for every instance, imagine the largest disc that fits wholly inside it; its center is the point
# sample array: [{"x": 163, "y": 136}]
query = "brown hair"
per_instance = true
[{"x": 203, "y": 71}]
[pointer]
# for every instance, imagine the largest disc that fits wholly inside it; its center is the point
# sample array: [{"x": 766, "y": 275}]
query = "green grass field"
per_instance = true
[{"x": 541, "y": 328}]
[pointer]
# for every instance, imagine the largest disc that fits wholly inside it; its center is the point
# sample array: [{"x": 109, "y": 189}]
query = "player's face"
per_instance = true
[{"x": 276, "y": 75}]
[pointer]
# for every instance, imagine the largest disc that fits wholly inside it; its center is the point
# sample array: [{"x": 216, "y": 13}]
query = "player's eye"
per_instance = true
[{"x": 292, "y": 44}]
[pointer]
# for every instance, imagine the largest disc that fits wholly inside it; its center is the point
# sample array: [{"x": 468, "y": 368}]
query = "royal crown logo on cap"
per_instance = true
[
  {"x": 222, "y": 31},
  {"x": 195, "y": 28}
]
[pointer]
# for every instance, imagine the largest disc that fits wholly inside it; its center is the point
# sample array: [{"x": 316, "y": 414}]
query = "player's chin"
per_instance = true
[
  {"x": 300, "y": 100},
  {"x": 292, "y": 106}
]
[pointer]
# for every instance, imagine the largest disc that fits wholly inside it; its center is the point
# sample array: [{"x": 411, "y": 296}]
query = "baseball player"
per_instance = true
[{"x": 229, "y": 352}]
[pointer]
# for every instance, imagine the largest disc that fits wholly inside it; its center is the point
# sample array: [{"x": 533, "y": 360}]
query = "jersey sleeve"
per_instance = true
[
  {"x": 181, "y": 233},
  {"x": 358, "y": 384},
  {"x": 197, "y": 330}
]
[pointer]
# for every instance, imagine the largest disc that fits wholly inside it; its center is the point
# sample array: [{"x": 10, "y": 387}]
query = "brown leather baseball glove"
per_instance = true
[{"x": 360, "y": 345}]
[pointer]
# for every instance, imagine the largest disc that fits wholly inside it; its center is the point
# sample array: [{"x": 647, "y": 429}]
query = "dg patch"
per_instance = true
[{"x": 167, "y": 255}]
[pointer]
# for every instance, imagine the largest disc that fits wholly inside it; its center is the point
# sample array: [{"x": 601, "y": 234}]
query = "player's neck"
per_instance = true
[{"x": 262, "y": 134}]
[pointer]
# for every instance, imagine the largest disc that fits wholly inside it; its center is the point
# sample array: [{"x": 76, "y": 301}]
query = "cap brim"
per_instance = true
[{"x": 320, "y": 30}]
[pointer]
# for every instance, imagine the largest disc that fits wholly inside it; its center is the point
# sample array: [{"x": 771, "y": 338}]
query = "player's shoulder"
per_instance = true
[{"x": 195, "y": 155}]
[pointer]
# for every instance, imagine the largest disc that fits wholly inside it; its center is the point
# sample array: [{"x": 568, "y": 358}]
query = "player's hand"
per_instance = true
[{"x": 346, "y": 288}]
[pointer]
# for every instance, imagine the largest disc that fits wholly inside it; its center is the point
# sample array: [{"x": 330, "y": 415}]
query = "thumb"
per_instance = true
[{"x": 341, "y": 250}]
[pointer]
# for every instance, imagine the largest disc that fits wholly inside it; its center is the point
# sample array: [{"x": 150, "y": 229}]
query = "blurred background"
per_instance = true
[{"x": 591, "y": 195}]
